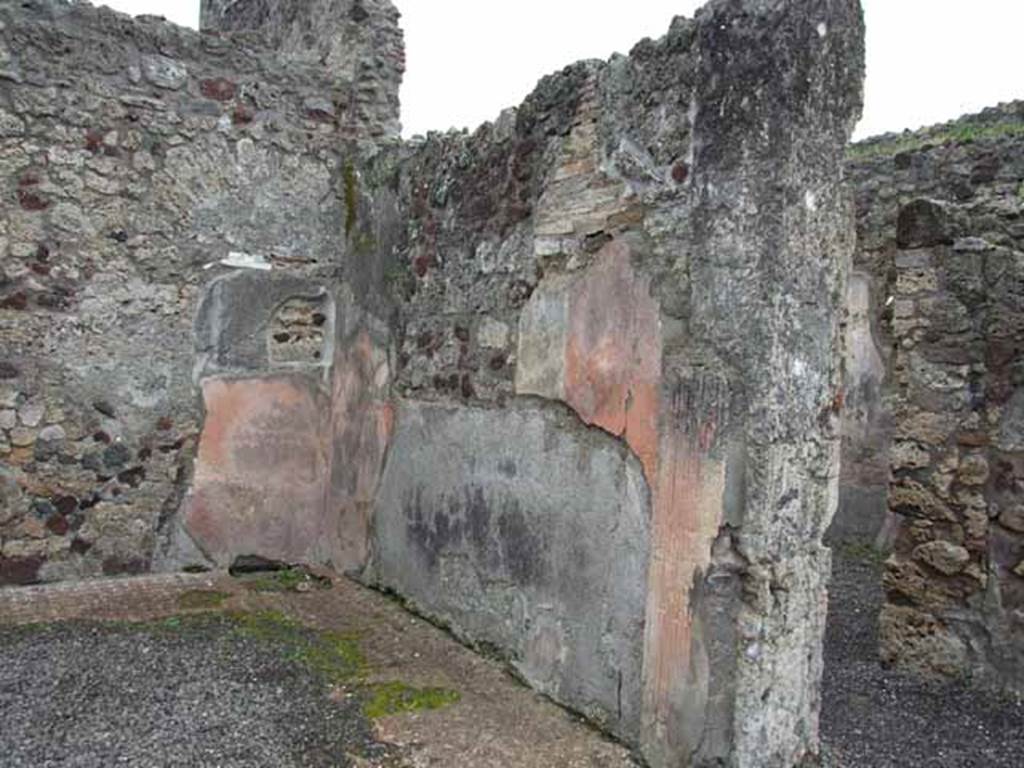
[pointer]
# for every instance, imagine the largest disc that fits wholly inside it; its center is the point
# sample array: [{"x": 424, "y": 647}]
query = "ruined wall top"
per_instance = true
[{"x": 359, "y": 42}]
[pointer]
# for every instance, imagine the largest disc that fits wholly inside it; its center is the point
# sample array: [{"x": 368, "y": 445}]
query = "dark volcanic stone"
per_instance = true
[
  {"x": 117, "y": 455},
  {"x": 244, "y": 564},
  {"x": 924, "y": 223}
]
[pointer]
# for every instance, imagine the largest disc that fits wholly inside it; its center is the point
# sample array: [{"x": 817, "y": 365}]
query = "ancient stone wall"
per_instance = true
[
  {"x": 635, "y": 307},
  {"x": 148, "y": 169},
  {"x": 941, "y": 252},
  {"x": 570, "y": 384},
  {"x": 357, "y": 43}
]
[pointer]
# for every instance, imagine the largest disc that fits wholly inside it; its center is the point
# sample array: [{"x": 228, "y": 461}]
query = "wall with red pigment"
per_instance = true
[
  {"x": 142, "y": 164},
  {"x": 650, "y": 253}
]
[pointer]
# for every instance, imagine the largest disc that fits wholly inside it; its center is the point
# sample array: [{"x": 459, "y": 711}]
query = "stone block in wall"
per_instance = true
[
  {"x": 925, "y": 223},
  {"x": 952, "y": 592}
]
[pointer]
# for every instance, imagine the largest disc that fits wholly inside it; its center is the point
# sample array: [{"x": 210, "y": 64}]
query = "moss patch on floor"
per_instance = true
[
  {"x": 287, "y": 580},
  {"x": 339, "y": 660},
  {"x": 395, "y": 698},
  {"x": 201, "y": 599},
  {"x": 334, "y": 656}
]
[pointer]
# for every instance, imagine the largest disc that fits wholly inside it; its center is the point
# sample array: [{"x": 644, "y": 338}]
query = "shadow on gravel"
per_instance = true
[{"x": 880, "y": 718}]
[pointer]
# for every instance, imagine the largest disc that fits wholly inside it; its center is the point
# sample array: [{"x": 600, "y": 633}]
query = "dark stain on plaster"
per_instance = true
[{"x": 496, "y": 532}]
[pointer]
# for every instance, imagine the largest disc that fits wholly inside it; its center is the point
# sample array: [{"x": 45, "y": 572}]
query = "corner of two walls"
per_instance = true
[
  {"x": 151, "y": 170},
  {"x": 294, "y": 379}
]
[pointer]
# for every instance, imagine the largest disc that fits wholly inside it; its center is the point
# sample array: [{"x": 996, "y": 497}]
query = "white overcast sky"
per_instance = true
[{"x": 928, "y": 60}]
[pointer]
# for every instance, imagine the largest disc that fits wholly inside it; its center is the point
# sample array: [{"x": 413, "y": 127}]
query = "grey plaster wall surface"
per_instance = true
[{"x": 528, "y": 534}]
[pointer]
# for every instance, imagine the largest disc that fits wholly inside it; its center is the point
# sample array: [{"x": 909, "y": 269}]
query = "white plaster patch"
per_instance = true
[
  {"x": 240, "y": 260},
  {"x": 493, "y": 334}
]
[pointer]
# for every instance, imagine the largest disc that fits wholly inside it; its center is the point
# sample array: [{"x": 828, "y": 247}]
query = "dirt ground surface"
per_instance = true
[
  {"x": 198, "y": 693},
  {"x": 174, "y": 671}
]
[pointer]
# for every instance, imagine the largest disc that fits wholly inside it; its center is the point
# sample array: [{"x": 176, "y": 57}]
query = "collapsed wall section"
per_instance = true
[
  {"x": 590, "y": 274},
  {"x": 941, "y": 246},
  {"x": 148, "y": 171}
]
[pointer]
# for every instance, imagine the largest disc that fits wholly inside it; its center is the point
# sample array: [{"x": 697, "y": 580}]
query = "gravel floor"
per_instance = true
[
  {"x": 878, "y": 718},
  {"x": 87, "y": 695}
]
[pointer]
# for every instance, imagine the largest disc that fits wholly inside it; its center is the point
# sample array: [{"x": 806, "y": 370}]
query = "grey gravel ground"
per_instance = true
[
  {"x": 86, "y": 695},
  {"x": 91, "y": 696},
  {"x": 878, "y": 718}
]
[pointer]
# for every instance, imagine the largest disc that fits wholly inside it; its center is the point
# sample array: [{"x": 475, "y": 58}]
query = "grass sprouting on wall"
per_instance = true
[{"x": 960, "y": 133}]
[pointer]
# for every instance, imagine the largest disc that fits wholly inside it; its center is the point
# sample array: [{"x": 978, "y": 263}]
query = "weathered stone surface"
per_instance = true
[
  {"x": 653, "y": 246},
  {"x": 937, "y": 236},
  {"x": 924, "y": 223},
  {"x": 361, "y": 424},
  {"x": 131, "y": 187},
  {"x": 866, "y": 425},
  {"x": 592, "y": 340},
  {"x": 10, "y": 496},
  {"x": 235, "y": 328},
  {"x": 917, "y": 640},
  {"x": 943, "y": 556},
  {"x": 1013, "y": 518},
  {"x": 357, "y": 42},
  {"x": 507, "y": 541},
  {"x": 588, "y": 215},
  {"x": 164, "y": 72}
]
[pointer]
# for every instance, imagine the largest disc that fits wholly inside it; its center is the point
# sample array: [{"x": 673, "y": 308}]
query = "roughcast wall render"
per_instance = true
[{"x": 569, "y": 384}]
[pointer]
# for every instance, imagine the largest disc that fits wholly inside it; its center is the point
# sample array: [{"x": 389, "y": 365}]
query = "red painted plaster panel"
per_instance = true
[
  {"x": 688, "y": 499},
  {"x": 613, "y": 352},
  {"x": 261, "y": 469},
  {"x": 361, "y": 425}
]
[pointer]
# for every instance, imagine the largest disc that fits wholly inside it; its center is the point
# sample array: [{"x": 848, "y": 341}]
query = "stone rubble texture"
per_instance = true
[
  {"x": 933, "y": 459},
  {"x": 569, "y": 384}
]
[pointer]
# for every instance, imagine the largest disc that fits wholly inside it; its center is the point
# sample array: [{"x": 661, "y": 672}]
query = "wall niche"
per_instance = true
[{"x": 298, "y": 331}]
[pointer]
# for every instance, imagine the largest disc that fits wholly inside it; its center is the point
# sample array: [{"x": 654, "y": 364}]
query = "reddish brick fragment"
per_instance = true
[
  {"x": 218, "y": 89},
  {"x": 30, "y": 201}
]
